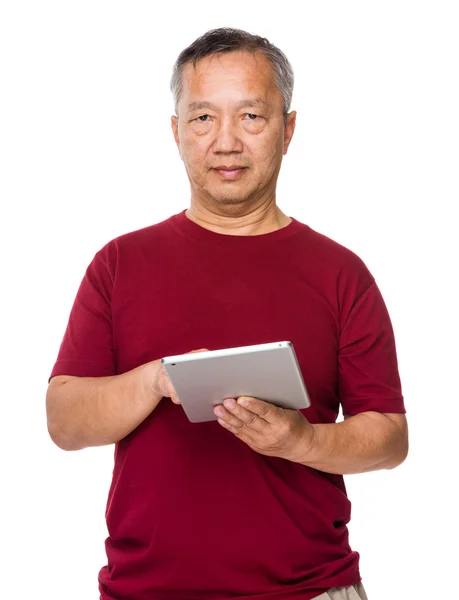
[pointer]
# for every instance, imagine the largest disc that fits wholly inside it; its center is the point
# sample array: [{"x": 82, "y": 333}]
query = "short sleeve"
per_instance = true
[
  {"x": 87, "y": 347},
  {"x": 368, "y": 370}
]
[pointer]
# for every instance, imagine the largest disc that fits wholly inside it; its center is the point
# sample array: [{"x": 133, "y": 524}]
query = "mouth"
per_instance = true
[{"x": 230, "y": 173}]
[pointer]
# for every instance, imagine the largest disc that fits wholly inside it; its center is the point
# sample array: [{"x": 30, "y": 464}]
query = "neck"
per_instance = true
[{"x": 258, "y": 221}]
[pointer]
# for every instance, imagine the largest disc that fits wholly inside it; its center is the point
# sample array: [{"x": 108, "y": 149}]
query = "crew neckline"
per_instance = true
[{"x": 199, "y": 233}]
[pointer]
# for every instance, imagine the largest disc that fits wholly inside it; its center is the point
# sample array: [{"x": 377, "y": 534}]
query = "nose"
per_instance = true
[{"x": 227, "y": 138}]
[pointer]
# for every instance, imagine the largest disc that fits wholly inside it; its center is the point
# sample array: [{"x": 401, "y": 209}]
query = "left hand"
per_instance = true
[{"x": 266, "y": 428}]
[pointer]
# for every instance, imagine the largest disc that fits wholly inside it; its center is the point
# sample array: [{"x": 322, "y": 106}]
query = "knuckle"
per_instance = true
[
  {"x": 242, "y": 427},
  {"x": 287, "y": 425},
  {"x": 251, "y": 421},
  {"x": 265, "y": 410}
]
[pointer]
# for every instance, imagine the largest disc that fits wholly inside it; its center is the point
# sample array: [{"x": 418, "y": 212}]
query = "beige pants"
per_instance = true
[{"x": 353, "y": 592}]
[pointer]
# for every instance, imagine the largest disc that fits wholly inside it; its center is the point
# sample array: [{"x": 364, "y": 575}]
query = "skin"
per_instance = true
[
  {"x": 94, "y": 411},
  {"x": 233, "y": 129},
  {"x": 231, "y": 112},
  {"x": 365, "y": 442}
]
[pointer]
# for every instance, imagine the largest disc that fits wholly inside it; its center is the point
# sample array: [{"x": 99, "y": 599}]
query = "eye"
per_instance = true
[
  {"x": 252, "y": 115},
  {"x": 202, "y": 118}
]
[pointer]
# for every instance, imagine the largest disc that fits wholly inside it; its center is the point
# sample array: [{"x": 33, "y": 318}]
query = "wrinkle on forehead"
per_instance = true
[
  {"x": 262, "y": 64},
  {"x": 246, "y": 102},
  {"x": 258, "y": 83}
]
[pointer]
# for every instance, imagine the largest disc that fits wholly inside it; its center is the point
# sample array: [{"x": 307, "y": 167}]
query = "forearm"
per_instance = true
[
  {"x": 96, "y": 411},
  {"x": 365, "y": 442}
]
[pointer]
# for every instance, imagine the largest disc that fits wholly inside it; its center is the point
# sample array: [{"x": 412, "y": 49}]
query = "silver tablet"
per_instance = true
[{"x": 269, "y": 372}]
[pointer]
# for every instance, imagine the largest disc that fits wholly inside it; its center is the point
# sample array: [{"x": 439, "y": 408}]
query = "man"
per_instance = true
[{"x": 252, "y": 505}]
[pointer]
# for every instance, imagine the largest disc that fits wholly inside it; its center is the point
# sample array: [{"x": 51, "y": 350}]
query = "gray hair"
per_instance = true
[{"x": 224, "y": 40}]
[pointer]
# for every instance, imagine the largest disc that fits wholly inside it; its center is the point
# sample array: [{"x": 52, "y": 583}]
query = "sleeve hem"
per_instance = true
[
  {"x": 81, "y": 368},
  {"x": 389, "y": 406}
]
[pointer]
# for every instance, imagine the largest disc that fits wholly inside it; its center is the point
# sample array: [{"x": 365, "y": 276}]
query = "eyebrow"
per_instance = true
[{"x": 249, "y": 102}]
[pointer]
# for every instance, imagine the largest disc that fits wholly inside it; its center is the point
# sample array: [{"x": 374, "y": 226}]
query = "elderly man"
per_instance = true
[{"x": 252, "y": 505}]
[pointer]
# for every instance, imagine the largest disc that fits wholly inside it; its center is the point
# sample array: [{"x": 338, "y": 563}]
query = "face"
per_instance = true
[{"x": 230, "y": 115}]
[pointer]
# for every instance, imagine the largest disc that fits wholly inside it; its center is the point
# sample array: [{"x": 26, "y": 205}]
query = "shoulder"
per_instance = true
[
  {"x": 332, "y": 270},
  {"x": 332, "y": 259},
  {"x": 328, "y": 249},
  {"x": 134, "y": 244},
  {"x": 146, "y": 235}
]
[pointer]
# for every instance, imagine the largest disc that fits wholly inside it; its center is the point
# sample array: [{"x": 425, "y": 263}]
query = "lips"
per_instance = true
[
  {"x": 229, "y": 172},
  {"x": 232, "y": 167}
]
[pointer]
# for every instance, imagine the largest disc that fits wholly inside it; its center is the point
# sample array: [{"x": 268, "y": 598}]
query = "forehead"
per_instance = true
[{"x": 230, "y": 73}]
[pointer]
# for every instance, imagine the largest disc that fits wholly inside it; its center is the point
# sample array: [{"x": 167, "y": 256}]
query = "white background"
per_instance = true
[{"x": 87, "y": 154}]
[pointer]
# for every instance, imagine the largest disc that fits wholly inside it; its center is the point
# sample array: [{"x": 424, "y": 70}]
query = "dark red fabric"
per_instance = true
[{"x": 192, "y": 511}]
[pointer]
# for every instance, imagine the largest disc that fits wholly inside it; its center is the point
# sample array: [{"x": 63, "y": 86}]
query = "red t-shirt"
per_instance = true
[{"x": 193, "y": 513}]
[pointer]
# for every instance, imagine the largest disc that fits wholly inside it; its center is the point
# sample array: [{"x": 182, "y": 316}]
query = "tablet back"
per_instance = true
[{"x": 269, "y": 372}]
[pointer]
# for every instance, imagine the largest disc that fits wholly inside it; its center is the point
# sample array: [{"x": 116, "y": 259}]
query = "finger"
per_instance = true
[
  {"x": 170, "y": 391},
  {"x": 245, "y": 432},
  {"x": 172, "y": 395},
  {"x": 264, "y": 410},
  {"x": 234, "y": 416}
]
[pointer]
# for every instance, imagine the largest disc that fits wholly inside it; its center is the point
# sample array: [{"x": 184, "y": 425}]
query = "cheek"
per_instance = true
[
  {"x": 195, "y": 158},
  {"x": 189, "y": 158},
  {"x": 265, "y": 150},
  {"x": 195, "y": 150},
  {"x": 274, "y": 156},
  {"x": 265, "y": 159}
]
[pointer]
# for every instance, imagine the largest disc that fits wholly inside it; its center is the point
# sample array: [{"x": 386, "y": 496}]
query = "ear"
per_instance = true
[
  {"x": 289, "y": 128},
  {"x": 174, "y": 126}
]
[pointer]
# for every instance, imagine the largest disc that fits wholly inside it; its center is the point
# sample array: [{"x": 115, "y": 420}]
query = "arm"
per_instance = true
[
  {"x": 376, "y": 437},
  {"x": 95, "y": 411},
  {"x": 364, "y": 442},
  {"x": 99, "y": 407}
]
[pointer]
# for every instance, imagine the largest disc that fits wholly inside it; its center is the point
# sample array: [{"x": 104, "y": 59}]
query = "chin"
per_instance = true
[{"x": 228, "y": 197}]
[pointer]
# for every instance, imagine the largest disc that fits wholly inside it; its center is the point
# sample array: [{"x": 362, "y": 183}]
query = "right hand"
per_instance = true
[{"x": 162, "y": 384}]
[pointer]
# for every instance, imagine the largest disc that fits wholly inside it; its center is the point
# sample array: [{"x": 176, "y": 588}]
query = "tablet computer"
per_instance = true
[{"x": 269, "y": 372}]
